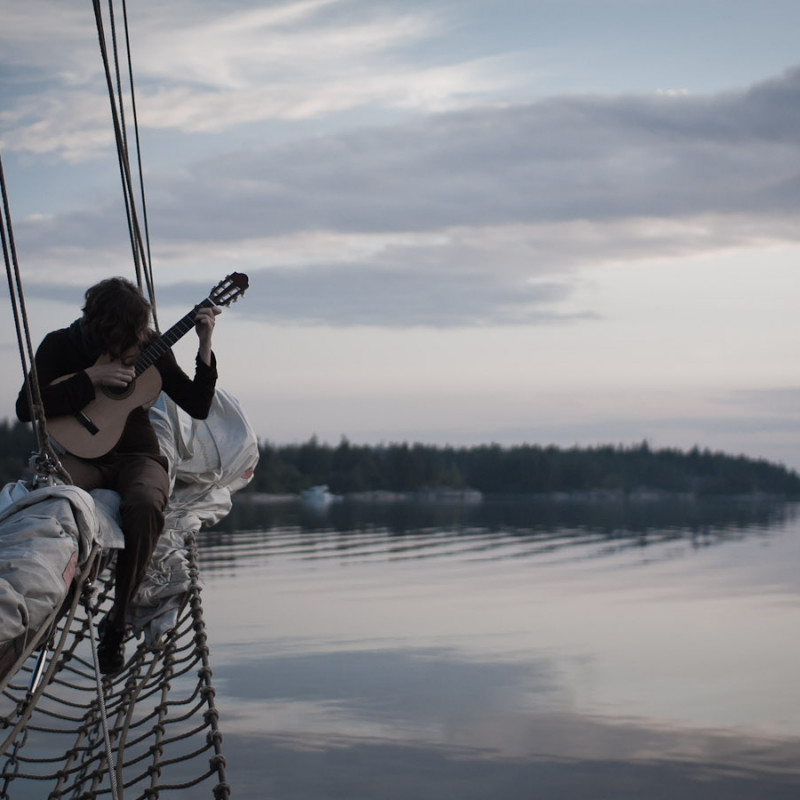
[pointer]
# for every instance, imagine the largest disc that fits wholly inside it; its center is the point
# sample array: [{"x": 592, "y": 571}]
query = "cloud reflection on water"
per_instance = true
[
  {"x": 305, "y": 768},
  {"x": 510, "y": 754},
  {"x": 479, "y": 725},
  {"x": 418, "y": 686}
]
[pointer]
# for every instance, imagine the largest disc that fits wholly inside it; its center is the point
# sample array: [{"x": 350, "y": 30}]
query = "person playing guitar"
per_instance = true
[{"x": 97, "y": 354}]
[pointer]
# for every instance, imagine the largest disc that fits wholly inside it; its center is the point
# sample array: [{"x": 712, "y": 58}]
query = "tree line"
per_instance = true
[
  {"x": 520, "y": 469},
  {"x": 492, "y": 469}
]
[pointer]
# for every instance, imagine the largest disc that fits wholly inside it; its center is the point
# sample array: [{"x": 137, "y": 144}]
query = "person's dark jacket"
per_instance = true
[{"x": 65, "y": 352}]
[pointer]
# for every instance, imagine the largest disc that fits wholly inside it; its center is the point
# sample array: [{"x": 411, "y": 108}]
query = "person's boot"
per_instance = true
[{"x": 111, "y": 649}]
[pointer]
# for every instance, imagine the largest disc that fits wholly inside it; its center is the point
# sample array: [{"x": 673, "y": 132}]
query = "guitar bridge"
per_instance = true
[{"x": 87, "y": 423}]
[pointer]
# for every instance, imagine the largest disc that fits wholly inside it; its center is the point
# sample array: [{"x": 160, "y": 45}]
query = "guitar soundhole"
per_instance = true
[{"x": 119, "y": 392}]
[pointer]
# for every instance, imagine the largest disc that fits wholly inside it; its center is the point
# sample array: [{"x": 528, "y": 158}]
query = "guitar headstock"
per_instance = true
[{"x": 229, "y": 290}]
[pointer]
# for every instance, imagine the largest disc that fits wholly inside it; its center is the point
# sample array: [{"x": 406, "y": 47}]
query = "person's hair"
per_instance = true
[{"x": 116, "y": 315}]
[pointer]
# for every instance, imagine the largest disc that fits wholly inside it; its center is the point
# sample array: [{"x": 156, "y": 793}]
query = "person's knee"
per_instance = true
[{"x": 143, "y": 510}]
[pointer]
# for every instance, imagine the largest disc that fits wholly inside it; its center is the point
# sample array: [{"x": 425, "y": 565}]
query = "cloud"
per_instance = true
[
  {"x": 345, "y": 294},
  {"x": 513, "y": 274},
  {"x": 213, "y": 68},
  {"x": 243, "y": 47},
  {"x": 70, "y": 125},
  {"x": 563, "y": 159},
  {"x": 560, "y": 160},
  {"x": 472, "y": 217},
  {"x": 41, "y": 38},
  {"x": 421, "y": 89},
  {"x": 350, "y": 295}
]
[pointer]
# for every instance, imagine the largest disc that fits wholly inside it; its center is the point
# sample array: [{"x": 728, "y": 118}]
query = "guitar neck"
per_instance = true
[{"x": 157, "y": 348}]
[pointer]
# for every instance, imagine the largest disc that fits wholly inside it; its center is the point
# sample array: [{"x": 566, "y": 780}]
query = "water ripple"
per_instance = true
[{"x": 544, "y": 533}]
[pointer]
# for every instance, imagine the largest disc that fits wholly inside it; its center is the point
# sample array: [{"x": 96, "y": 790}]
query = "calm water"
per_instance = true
[{"x": 514, "y": 649}]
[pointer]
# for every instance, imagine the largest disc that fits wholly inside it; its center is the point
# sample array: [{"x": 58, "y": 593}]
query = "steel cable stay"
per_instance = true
[
  {"x": 148, "y": 261},
  {"x": 140, "y": 245}
]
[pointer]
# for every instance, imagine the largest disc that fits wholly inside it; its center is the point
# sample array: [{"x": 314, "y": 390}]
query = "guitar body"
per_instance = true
[{"x": 99, "y": 425}]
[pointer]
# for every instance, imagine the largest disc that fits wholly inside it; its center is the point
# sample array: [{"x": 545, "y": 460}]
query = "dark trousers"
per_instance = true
[{"x": 143, "y": 485}]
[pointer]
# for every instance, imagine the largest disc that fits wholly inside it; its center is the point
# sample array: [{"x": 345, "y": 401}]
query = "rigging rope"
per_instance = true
[
  {"x": 148, "y": 261},
  {"x": 141, "y": 252},
  {"x": 45, "y": 462},
  {"x": 86, "y": 597}
]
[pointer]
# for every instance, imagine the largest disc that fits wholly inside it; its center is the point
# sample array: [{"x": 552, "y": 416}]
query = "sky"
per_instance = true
[{"x": 569, "y": 222}]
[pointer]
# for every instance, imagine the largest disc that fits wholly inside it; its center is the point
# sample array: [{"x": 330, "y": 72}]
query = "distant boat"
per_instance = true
[{"x": 317, "y": 496}]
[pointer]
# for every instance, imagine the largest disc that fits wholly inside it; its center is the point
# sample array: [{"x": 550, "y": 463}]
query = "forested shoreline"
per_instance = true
[
  {"x": 520, "y": 469},
  {"x": 491, "y": 469}
]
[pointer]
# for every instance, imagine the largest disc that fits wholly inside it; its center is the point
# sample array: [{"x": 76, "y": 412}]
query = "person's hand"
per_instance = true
[
  {"x": 204, "y": 325},
  {"x": 114, "y": 374}
]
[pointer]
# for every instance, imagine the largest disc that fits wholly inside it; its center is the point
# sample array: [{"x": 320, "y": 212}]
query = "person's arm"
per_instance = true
[
  {"x": 204, "y": 325},
  {"x": 193, "y": 395},
  {"x": 54, "y": 360}
]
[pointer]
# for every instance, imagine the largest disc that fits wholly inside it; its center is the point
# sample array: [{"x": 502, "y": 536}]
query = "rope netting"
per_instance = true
[{"x": 153, "y": 729}]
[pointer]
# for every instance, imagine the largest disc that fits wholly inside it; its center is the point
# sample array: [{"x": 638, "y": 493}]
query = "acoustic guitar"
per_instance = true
[{"x": 97, "y": 427}]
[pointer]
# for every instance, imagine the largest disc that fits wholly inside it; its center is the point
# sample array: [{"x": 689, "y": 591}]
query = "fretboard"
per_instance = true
[{"x": 157, "y": 348}]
